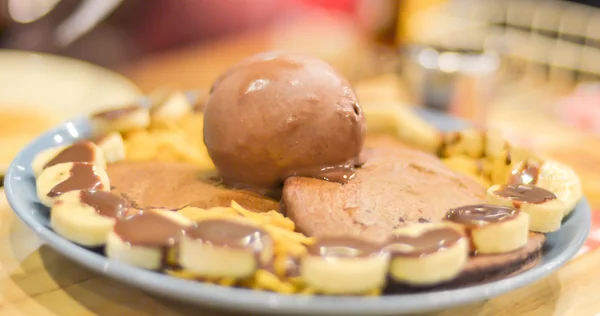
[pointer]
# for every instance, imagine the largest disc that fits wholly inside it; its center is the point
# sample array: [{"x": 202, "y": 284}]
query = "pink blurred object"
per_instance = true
[
  {"x": 164, "y": 24},
  {"x": 581, "y": 109},
  {"x": 347, "y": 6},
  {"x": 114, "y": 32},
  {"x": 86, "y": 16}
]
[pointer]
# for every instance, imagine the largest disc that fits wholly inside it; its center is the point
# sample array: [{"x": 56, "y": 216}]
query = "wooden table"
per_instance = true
[{"x": 35, "y": 280}]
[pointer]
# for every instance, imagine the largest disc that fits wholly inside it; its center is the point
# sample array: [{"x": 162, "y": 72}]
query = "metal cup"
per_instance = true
[{"x": 459, "y": 81}]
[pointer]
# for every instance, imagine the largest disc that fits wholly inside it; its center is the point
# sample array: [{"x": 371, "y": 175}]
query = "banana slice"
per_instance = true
[
  {"x": 552, "y": 176},
  {"x": 501, "y": 167},
  {"x": 86, "y": 217},
  {"x": 344, "y": 265},
  {"x": 492, "y": 228},
  {"x": 427, "y": 254},
  {"x": 83, "y": 151},
  {"x": 120, "y": 120},
  {"x": 519, "y": 154},
  {"x": 526, "y": 172},
  {"x": 506, "y": 166},
  {"x": 146, "y": 239},
  {"x": 544, "y": 209},
  {"x": 469, "y": 142},
  {"x": 402, "y": 122},
  {"x": 219, "y": 248},
  {"x": 169, "y": 105},
  {"x": 562, "y": 181},
  {"x": 113, "y": 146},
  {"x": 70, "y": 176},
  {"x": 468, "y": 166}
]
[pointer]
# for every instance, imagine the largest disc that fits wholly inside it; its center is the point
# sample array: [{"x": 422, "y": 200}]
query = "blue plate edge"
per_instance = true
[{"x": 221, "y": 297}]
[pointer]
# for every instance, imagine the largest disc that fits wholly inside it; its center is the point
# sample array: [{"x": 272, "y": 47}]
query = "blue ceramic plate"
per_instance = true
[{"x": 20, "y": 190}]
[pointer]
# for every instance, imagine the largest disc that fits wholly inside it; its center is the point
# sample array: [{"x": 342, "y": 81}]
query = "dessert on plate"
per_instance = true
[{"x": 272, "y": 181}]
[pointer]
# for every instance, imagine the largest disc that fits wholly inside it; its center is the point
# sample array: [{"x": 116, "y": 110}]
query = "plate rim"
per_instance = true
[
  {"x": 258, "y": 301},
  {"x": 61, "y": 58},
  {"x": 98, "y": 69}
]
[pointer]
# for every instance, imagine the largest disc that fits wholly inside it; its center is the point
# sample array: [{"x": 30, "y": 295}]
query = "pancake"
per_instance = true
[
  {"x": 174, "y": 185},
  {"x": 396, "y": 182},
  {"x": 398, "y": 185},
  {"x": 488, "y": 267},
  {"x": 394, "y": 187},
  {"x": 485, "y": 268}
]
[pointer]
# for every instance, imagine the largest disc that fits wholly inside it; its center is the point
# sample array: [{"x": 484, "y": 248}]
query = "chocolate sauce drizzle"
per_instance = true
[
  {"x": 105, "y": 203},
  {"x": 344, "y": 247},
  {"x": 527, "y": 173},
  {"x": 430, "y": 241},
  {"x": 78, "y": 152},
  {"x": 227, "y": 233},
  {"x": 82, "y": 177},
  {"x": 149, "y": 229},
  {"x": 231, "y": 234},
  {"x": 525, "y": 193},
  {"x": 342, "y": 173},
  {"x": 481, "y": 214}
]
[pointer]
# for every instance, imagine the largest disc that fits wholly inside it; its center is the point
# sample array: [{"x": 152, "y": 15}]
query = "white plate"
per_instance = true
[{"x": 38, "y": 91}]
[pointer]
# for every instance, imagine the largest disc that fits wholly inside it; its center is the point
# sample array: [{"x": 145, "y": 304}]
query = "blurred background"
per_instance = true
[{"x": 528, "y": 68}]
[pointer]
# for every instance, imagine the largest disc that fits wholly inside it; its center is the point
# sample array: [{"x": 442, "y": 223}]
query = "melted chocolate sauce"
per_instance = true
[
  {"x": 226, "y": 233},
  {"x": 342, "y": 173},
  {"x": 292, "y": 267},
  {"x": 363, "y": 157},
  {"x": 166, "y": 262},
  {"x": 527, "y": 174},
  {"x": 149, "y": 229},
  {"x": 525, "y": 193},
  {"x": 82, "y": 177},
  {"x": 343, "y": 247},
  {"x": 231, "y": 234},
  {"x": 79, "y": 152},
  {"x": 105, "y": 203},
  {"x": 481, "y": 214},
  {"x": 116, "y": 113},
  {"x": 430, "y": 241}
]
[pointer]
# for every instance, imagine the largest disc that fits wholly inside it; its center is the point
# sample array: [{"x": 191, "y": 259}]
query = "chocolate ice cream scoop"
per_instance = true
[{"x": 278, "y": 115}]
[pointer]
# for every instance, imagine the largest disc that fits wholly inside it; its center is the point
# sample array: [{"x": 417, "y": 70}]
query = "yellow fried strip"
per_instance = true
[
  {"x": 268, "y": 281},
  {"x": 197, "y": 214},
  {"x": 272, "y": 217},
  {"x": 287, "y": 244},
  {"x": 170, "y": 141},
  {"x": 280, "y": 264}
]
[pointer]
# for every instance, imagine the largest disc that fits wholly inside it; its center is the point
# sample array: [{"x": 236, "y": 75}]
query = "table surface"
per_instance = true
[{"x": 36, "y": 280}]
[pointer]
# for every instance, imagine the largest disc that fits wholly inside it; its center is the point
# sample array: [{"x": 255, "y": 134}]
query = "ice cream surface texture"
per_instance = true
[{"x": 277, "y": 115}]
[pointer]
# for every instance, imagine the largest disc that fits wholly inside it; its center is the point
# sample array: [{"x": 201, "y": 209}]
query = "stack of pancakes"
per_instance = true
[{"x": 398, "y": 185}]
